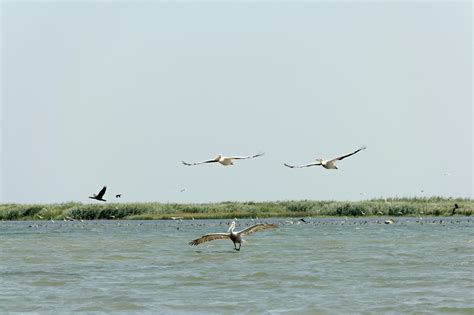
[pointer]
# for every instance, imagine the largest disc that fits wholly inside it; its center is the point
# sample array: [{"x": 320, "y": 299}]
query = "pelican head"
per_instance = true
[{"x": 231, "y": 227}]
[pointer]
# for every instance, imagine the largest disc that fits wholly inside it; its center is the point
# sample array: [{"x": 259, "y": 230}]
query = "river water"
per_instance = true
[{"x": 323, "y": 266}]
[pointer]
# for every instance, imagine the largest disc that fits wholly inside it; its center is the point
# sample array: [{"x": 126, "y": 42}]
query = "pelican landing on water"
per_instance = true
[
  {"x": 235, "y": 237},
  {"x": 328, "y": 164},
  {"x": 224, "y": 160}
]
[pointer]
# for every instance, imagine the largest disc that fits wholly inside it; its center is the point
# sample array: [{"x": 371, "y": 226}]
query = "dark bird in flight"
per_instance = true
[
  {"x": 118, "y": 195},
  {"x": 328, "y": 164},
  {"x": 99, "y": 195}
]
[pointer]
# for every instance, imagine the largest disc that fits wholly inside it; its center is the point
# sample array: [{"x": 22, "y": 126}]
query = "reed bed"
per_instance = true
[{"x": 434, "y": 206}]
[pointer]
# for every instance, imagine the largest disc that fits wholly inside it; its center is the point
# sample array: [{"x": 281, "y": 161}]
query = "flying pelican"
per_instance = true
[
  {"x": 328, "y": 164},
  {"x": 224, "y": 160},
  {"x": 99, "y": 195},
  {"x": 118, "y": 195},
  {"x": 235, "y": 237}
]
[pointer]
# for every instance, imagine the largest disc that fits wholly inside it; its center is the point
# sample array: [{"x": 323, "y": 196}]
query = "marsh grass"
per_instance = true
[{"x": 435, "y": 206}]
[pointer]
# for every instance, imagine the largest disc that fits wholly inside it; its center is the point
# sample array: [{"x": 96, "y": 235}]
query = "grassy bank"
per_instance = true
[{"x": 306, "y": 208}]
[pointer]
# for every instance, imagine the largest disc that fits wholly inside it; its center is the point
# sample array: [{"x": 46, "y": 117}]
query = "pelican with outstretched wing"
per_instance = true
[
  {"x": 328, "y": 164},
  {"x": 99, "y": 195},
  {"x": 224, "y": 160},
  {"x": 235, "y": 237}
]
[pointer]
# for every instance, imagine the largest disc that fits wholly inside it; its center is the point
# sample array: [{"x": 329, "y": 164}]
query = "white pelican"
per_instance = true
[
  {"x": 224, "y": 160},
  {"x": 235, "y": 237},
  {"x": 389, "y": 221},
  {"x": 328, "y": 164}
]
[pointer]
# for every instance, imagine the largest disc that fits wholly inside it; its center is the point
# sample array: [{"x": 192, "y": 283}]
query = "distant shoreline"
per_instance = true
[{"x": 393, "y": 207}]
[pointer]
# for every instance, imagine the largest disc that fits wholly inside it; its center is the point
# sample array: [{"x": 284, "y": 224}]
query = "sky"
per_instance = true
[{"x": 118, "y": 94}]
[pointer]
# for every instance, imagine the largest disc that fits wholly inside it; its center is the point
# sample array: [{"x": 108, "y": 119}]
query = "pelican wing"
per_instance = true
[
  {"x": 246, "y": 157},
  {"x": 101, "y": 193},
  {"x": 347, "y": 155},
  {"x": 257, "y": 227},
  {"x": 197, "y": 163},
  {"x": 301, "y": 166},
  {"x": 210, "y": 237}
]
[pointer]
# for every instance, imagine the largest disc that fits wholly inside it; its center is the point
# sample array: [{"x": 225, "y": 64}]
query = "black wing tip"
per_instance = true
[
  {"x": 185, "y": 163},
  {"x": 288, "y": 165}
]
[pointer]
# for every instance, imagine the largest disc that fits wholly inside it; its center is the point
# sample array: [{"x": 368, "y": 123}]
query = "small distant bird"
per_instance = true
[
  {"x": 455, "y": 208},
  {"x": 118, "y": 195},
  {"x": 183, "y": 189},
  {"x": 224, "y": 160},
  {"x": 99, "y": 195},
  {"x": 328, "y": 164},
  {"x": 389, "y": 221},
  {"x": 235, "y": 237}
]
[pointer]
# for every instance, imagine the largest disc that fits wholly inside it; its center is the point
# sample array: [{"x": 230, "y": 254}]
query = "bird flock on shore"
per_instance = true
[{"x": 236, "y": 236}]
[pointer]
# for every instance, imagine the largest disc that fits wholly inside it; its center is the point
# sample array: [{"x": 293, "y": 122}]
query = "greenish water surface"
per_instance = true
[{"x": 323, "y": 266}]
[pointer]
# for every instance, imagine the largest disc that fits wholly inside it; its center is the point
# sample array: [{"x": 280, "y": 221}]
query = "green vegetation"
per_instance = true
[{"x": 435, "y": 206}]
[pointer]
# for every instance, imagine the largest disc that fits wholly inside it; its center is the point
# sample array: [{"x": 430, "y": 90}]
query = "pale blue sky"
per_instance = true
[{"x": 117, "y": 94}]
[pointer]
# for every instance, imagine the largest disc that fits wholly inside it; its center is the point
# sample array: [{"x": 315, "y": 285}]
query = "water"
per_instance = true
[{"x": 325, "y": 266}]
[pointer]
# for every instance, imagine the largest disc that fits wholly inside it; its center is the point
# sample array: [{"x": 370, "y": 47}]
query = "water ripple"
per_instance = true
[{"x": 324, "y": 266}]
